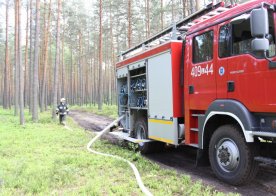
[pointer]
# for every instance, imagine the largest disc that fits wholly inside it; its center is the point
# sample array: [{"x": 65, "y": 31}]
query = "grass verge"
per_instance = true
[{"x": 45, "y": 158}]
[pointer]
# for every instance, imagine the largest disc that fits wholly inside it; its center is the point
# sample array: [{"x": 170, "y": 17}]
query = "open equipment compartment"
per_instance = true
[
  {"x": 154, "y": 93},
  {"x": 123, "y": 95},
  {"x": 138, "y": 88}
]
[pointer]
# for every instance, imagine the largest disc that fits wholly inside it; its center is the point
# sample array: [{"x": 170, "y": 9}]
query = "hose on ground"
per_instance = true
[{"x": 133, "y": 167}]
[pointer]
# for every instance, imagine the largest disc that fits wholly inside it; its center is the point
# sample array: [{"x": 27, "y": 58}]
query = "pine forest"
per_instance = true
[{"x": 52, "y": 48}]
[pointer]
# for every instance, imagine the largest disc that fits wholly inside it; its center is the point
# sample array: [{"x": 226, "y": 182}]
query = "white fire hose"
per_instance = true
[{"x": 135, "y": 170}]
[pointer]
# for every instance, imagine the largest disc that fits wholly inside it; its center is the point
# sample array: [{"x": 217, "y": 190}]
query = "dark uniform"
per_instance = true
[{"x": 62, "y": 110}]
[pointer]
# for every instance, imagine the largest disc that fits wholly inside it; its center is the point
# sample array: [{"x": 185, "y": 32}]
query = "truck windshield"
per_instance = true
[{"x": 242, "y": 37}]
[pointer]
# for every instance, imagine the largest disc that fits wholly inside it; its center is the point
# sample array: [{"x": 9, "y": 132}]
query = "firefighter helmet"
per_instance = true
[{"x": 62, "y": 100}]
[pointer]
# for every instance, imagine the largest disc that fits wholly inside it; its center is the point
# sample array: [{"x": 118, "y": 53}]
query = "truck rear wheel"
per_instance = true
[
  {"x": 231, "y": 158},
  {"x": 141, "y": 130}
]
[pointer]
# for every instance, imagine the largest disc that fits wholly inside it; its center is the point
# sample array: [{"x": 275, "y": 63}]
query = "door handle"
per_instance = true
[
  {"x": 230, "y": 86},
  {"x": 191, "y": 89}
]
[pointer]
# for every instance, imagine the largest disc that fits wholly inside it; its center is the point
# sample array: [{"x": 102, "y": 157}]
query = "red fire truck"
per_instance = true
[{"x": 208, "y": 81}]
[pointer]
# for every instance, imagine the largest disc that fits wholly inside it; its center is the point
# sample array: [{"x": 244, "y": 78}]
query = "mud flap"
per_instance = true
[{"x": 202, "y": 158}]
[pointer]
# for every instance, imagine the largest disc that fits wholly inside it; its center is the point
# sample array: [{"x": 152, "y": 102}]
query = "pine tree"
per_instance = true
[
  {"x": 100, "y": 86},
  {"x": 56, "y": 71},
  {"x": 20, "y": 66},
  {"x": 36, "y": 58},
  {"x": 6, "y": 68}
]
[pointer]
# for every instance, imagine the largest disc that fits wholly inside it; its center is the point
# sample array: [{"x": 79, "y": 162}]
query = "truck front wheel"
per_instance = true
[{"x": 231, "y": 158}]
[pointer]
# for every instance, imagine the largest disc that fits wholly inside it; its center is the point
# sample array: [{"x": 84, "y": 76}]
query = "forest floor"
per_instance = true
[
  {"x": 182, "y": 161},
  {"x": 45, "y": 158}
]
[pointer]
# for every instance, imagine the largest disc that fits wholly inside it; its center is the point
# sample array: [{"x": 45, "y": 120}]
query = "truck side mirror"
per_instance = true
[
  {"x": 260, "y": 44},
  {"x": 259, "y": 29}
]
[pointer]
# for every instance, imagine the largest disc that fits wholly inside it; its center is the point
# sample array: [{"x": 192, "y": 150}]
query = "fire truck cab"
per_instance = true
[{"x": 208, "y": 81}]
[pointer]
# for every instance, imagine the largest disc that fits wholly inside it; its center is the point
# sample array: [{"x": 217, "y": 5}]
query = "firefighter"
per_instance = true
[{"x": 62, "y": 109}]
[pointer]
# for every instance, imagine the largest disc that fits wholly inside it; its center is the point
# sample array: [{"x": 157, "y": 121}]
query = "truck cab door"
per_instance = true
[
  {"x": 201, "y": 69},
  {"x": 224, "y": 50},
  {"x": 200, "y": 83},
  {"x": 250, "y": 80}
]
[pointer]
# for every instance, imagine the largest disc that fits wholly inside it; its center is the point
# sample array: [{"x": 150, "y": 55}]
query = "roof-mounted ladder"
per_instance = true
[{"x": 177, "y": 28}]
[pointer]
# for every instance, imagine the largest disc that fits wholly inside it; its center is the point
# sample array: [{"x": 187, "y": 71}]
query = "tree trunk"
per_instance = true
[
  {"x": 184, "y": 8},
  {"x": 36, "y": 56},
  {"x": 80, "y": 79},
  {"x": 112, "y": 47},
  {"x": 16, "y": 70},
  {"x": 6, "y": 68},
  {"x": 20, "y": 65},
  {"x": 50, "y": 77},
  {"x": 192, "y": 6},
  {"x": 30, "y": 90},
  {"x": 173, "y": 11},
  {"x": 197, "y": 5},
  {"x": 63, "y": 85},
  {"x": 95, "y": 67},
  {"x": 162, "y": 15},
  {"x": 26, "y": 82},
  {"x": 147, "y": 19},
  {"x": 100, "y": 100},
  {"x": 129, "y": 17},
  {"x": 46, "y": 31},
  {"x": 71, "y": 75},
  {"x": 56, "y": 81}
]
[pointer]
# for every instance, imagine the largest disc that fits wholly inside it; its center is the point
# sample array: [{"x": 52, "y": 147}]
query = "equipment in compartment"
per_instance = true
[
  {"x": 141, "y": 101},
  {"x": 123, "y": 92},
  {"x": 124, "y": 89},
  {"x": 138, "y": 99},
  {"x": 123, "y": 102},
  {"x": 138, "y": 84},
  {"x": 138, "y": 88},
  {"x": 123, "y": 99}
]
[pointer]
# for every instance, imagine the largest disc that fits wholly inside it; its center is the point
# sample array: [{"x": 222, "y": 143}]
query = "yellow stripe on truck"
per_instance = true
[
  {"x": 166, "y": 122},
  {"x": 161, "y": 139}
]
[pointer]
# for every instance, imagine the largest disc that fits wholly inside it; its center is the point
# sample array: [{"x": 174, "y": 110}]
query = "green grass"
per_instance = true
[
  {"x": 45, "y": 158},
  {"x": 107, "y": 110}
]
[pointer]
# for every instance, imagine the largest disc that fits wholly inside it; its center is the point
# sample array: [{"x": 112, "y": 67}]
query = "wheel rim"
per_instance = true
[
  {"x": 227, "y": 155},
  {"x": 141, "y": 134}
]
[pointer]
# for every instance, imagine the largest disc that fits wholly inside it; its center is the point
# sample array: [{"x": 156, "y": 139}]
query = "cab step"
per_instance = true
[
  {"x": 266, "y": 160},
  {"x": 125, "y": 136},
  {"x": 193, "y": 145},
  {"x": 198, "y": 115}
]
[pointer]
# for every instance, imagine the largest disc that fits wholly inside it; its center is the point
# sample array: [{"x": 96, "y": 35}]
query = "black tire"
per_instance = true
[
  {"x": 149, "y": 147},
  {"x": 235, "y": 166}
]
